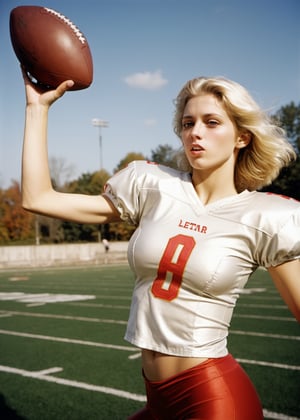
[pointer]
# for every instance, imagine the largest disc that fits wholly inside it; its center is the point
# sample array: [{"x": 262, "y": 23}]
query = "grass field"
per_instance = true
[{"x": 63, "y": 355}]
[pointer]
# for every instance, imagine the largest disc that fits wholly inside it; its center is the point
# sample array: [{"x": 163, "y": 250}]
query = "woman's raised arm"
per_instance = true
[{"x": 38, "y": 194}]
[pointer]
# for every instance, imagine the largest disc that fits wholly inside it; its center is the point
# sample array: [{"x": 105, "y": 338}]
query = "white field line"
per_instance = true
[
  {"x": 114, "y": 297},
  {"x": 68, "y": 340},
  {"x": 47, "y": 371},
  {"x": 258, "y": 305},
  {"x": 277, "y": 416},
  {"x": 44, "y": 376},
  {"x": 128, "y": 348},
  {"x": 265, "y": 298},
  {"x": 271, "y": 318},
  {"x": 76, "y": 384},
  {"x": 99, "y": 305},
  {"x": 113, "y": 321},
  {"x": 135, "y": 356},
  {"x": 43, "y": 297},
  {"x": 269, "y": 364},
  {"x": 257, "y": 334},
  {"x": 67, "y": 317}
]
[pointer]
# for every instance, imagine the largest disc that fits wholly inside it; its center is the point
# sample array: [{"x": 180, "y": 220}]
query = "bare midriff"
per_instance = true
[{"x": 158, "y": 366}]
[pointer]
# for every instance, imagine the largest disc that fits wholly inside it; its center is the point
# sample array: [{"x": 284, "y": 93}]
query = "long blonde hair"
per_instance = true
[{"x": 260, "y": 162}]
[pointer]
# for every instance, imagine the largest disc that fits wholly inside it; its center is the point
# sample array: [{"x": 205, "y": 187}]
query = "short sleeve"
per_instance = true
[
  {"x": 283, "y": 245},
  {"x": 122, "y": 190}
]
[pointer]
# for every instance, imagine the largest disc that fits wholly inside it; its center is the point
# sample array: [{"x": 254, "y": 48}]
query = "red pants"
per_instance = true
[{"x": 217, "y": 389}]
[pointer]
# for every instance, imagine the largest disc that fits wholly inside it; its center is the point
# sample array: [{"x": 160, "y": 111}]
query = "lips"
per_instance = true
[{"x": 196, "y": 148}]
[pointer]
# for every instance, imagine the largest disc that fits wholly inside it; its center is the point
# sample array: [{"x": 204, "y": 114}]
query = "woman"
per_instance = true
[{"x": 201, "y": 232}]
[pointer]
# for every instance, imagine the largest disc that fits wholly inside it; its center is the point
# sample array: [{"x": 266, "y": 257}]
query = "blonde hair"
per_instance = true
[{"x": 260, "y": 162}]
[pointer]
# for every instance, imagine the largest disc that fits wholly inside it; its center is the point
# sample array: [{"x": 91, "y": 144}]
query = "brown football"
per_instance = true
[{"x": 50, "y": 47}]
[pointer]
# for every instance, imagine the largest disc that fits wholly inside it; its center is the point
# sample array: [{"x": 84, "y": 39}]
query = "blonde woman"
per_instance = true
[{"x": 201, "y": 231}]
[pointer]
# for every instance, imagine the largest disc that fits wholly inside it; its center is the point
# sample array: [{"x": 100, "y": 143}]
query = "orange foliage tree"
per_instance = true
[{"x": 16, "y": 224}]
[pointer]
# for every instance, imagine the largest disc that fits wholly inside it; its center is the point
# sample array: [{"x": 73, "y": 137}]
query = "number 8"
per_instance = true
[{"x": 179, "y": 248}]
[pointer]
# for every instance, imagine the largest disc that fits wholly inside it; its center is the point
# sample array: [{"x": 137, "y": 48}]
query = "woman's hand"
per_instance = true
[{"x": 39, "y": 95}]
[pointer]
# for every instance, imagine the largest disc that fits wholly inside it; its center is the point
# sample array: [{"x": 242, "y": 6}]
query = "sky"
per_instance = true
[{"x": 143, "y": 53}]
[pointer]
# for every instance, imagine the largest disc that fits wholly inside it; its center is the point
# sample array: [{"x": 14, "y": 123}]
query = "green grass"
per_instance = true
[{"x": 71, "y": 335}]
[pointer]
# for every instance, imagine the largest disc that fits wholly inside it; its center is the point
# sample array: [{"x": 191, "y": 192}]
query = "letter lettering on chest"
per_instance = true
[{"x": 192, "y": 226}]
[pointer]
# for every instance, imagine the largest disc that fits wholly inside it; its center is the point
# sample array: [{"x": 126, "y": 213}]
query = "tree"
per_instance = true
[
  {"x": 61, "y": 172},
  {"x": 16, "y": 224},
  {"x": 130, "y": 157},
  {"x": 288, "y": 117},
  {"x": 288, "y": 181},
  {"x": 165, "y": 155},
  {"x": 88, "y": 183}
]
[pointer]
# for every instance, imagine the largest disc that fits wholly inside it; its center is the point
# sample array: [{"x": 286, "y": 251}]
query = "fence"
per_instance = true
[{"x": 62, "y": 254}]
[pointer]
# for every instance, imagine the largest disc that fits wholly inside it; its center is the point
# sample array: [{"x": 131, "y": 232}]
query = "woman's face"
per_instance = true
[{"x": 210, "y": 139}]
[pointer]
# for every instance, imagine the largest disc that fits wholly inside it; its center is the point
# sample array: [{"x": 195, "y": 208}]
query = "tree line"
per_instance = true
[{"x": 21, "y": 227}]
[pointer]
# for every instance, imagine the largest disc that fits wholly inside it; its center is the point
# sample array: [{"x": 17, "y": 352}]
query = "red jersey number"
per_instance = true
[{"x": 173, "y": 261}]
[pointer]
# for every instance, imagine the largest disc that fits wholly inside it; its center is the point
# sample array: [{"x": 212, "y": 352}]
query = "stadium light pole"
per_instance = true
[{"x": 100, "y": 124}]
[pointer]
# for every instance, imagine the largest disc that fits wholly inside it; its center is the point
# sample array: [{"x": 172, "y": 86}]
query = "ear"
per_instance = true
[{"x": 243, "y": 139}]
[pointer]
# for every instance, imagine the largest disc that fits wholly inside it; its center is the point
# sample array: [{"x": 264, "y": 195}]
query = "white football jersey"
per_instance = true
[{"x": 190, "y": 260}]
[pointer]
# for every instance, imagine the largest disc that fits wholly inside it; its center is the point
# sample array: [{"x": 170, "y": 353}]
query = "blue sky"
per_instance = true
[{"x": 143, "y": 52}]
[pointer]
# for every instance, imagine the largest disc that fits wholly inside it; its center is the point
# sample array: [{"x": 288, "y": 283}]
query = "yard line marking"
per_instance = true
[
  {"x": 127, "y": 348},
  {"x": 273, "y": 318},
  {"x": 99, "y": 305},
  {"x": 264, "y": 298},
  {"x": 107, "y": 390},
  {"x": 42, "y": 298},
  {"x": 277, "y": 416},
  {"x": 135, "y": 356},
  {"x": 68, "y": 317},
  {"x": 275, "y": 365},
  {"x": 114, "y": 297},
  {"x": 47, "y": 371},
  {"x": 68, "y": 340},
  {"x": 75, "y": 384},
  {"x": 257, "y": 305},
  {"x": 257, "y": 334},
  {"x": 252, "y": 290},
  {"x": 4, "y": 314}
]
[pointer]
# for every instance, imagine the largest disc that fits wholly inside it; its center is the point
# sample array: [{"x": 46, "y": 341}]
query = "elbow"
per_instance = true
[
  {"x": 33, "y": 204},
  {"x": 29, "y": 206},
  {"x": 27, "y": 201}
]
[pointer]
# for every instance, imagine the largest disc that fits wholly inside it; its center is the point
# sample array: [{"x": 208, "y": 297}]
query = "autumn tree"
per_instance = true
[{"x": 16, "y": 224}]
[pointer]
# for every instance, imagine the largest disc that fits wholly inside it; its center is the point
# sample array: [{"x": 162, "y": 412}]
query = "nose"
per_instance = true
[{"x": 198, "y": 130}]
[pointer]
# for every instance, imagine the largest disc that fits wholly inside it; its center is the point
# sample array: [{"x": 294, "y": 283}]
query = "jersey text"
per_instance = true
[{"x": 192, "y": 226}]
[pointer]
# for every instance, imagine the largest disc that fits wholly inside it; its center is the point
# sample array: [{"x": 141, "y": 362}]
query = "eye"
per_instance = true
[
  {"x": 187, "y": 124},
  {"x": 212, "y": 123}
]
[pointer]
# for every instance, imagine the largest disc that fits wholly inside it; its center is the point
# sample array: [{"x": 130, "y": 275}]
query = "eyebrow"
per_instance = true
[{"x": 211, "y": 114}]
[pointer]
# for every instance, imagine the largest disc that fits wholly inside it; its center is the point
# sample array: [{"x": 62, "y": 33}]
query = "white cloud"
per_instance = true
[
  {"x": 146, "y": 80},
  {"x": 150, "y": 122}
]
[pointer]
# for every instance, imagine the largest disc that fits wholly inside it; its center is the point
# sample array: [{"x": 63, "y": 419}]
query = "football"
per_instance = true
[{"x": 50, "y": 47}]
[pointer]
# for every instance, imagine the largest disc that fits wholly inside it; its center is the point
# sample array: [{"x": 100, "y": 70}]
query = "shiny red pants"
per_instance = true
[{"x": 217, "y": 389}]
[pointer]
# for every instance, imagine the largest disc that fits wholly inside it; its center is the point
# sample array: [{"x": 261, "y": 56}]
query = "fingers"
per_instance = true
[
  {"x": 60, "y": 90},
  {"x": 37, "y": 92},
  {"x": 64, "y": 86}
]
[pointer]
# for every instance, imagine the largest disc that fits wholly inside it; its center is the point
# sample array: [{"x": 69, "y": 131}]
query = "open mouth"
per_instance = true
[{"x": 196, "y": 148}]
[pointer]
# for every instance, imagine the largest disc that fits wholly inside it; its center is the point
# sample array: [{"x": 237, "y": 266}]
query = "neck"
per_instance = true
[{"x": 211, "y": 187}]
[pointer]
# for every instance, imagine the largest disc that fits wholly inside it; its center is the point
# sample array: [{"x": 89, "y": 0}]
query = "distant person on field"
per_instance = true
[
  {"x": 105, "y": 244},
  {"x": 201, "y": 231}
]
